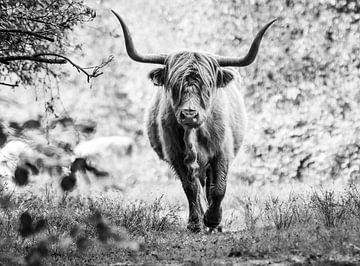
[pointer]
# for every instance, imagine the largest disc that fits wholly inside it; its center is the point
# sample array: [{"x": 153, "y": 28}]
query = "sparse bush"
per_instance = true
[
  {"x": 303, "y": 213},
  {"x": 330, "y": 209},
  {"x": 352, "y": 196},
  {"x": 280, "y": 213},
  {"x": 230, "y": 220},
  {"x": 141, "y": 217},
  {"x": 252, "y": 213}
]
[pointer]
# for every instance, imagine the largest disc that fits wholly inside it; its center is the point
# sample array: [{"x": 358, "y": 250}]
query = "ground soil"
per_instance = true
[{"x": 184, "y": 248}]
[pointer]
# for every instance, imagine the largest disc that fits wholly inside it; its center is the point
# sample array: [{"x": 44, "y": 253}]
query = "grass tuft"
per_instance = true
[
  {"x": 141, "y": 217},
  {"x": 252, "y": 213},
  {"x": 331, "y": 210},
  {"x": 281, "y": 214},
  {"x": 67, "y": 223}
]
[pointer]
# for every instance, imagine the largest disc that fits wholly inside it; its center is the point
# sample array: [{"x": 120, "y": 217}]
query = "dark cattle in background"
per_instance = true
[{"x": 196, "y": 121}]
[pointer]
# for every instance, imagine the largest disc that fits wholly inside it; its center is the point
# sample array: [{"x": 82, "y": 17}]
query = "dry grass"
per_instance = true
[
  {"x": 76, "y": 224},
  {"x": 315, "y": 226},
  {"x": 320, "y": 227},
  {"x": 279, "y": 221}
]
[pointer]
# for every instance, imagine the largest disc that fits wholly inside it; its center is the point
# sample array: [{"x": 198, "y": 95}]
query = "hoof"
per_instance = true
[
  {"x": 212, "y": 221},
  {"x": 213, "y": 230},
  {"x": 195, "y": 228}
]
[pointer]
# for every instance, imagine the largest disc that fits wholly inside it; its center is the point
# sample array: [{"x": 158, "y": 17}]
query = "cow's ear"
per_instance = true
[
  {"x": 157, "y": 76},
  {"x": 224, "y": 77}
]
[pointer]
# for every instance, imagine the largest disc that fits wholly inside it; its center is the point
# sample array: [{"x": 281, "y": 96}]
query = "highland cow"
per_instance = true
[{"x": 196, "y": 121}]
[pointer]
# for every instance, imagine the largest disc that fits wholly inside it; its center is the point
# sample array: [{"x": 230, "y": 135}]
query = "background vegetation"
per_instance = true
[{"x": 301, "y": 96}]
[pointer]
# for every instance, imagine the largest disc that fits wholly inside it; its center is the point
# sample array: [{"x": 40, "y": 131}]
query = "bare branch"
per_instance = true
[
  {"x": 40, "y": 58},
  {"x": 96, "y": 69},
  {"x": 36, "y": 58},
  {"x": 10, "y": 85},
  {"x": 35, "y": 34}
]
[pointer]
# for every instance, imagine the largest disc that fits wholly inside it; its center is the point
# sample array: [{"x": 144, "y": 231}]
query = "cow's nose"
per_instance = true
[{"x": 189, "y": 116}]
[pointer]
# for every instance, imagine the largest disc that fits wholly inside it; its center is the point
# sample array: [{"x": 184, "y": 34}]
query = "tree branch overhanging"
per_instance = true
[
  {"x": 35, "y": 57},
  {"x": 42, "y": 58},
  {"x": 95, "y": 73},
  {"x": 9, "y": 85},
  {"x": 27, "y": 32}
]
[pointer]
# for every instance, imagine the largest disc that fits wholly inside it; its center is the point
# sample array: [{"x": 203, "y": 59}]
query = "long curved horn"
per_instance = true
[
  {"x": 251, "y": 55},
  {"x": 130, "y": 48}
]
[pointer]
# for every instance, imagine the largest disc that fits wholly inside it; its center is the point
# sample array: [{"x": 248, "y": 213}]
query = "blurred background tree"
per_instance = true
[{"x": 34, "y": 34}]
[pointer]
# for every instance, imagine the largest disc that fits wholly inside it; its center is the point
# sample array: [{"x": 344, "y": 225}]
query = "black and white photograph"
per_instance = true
[{"x": 182, "y": 132}]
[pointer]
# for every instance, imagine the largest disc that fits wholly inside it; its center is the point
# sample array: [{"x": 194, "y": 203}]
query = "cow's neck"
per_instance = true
[
  {"x": 196, "y": 145},
  {"x": 191, "y": 153},
  {"x": 200, "y": 147}
]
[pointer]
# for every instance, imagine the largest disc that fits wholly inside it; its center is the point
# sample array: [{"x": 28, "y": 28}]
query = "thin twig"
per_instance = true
[
  {"x": 35, "y": 34},
  {"x": 96, "y": 69},
  {"x": 78, "y": 68}
]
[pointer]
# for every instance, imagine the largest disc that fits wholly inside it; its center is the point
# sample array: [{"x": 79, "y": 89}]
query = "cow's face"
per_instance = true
[{"x": 190, "y": 80}]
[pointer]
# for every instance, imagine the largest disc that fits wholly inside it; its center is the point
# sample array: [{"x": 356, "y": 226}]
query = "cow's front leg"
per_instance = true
[
  {"x": 189, "y": 175},
  {"x": 192, "y": 191},
  {"x": 216, "y": 190}
]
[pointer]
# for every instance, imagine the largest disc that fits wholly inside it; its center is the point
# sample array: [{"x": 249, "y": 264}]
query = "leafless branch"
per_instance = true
[
  {"x": 35, "y": 34},
  {"x": 95, "y": 73},
  {"x": 42, "y": 57},
  {"x": 35, "y": 57},
  {"x": 8, "y": 84}
]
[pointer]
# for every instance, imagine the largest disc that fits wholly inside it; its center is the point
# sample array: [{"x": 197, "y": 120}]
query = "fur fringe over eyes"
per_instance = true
[
  {"x": 181, "y": 66},
  {"x": 201, "y": 68}
]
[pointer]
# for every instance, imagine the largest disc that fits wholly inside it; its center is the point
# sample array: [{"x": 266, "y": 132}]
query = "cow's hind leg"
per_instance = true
[
  {"x": 209, "y": 178},
  {"x": 215, "y": 188}
]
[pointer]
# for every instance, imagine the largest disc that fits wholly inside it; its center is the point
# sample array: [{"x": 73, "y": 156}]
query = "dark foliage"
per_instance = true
[
  {"x": 68, "y": 182},
  {"x": 82, "y": 243},
  {"x": 34, "y": 258},
  {"x": 3, "y": 137},
  {"x": 21, "y": 176},
  {"x": 31, "y": 124},
  {"x": 81, "y": 164},
  {"x": 27, "y": 227},
  {"x": 34, "y": 169}
]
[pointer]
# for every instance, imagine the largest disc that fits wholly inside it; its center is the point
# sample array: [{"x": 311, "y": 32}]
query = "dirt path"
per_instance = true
[
  {"x": 179, "y": 248},
  {"x": 183, "y": 248}
]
